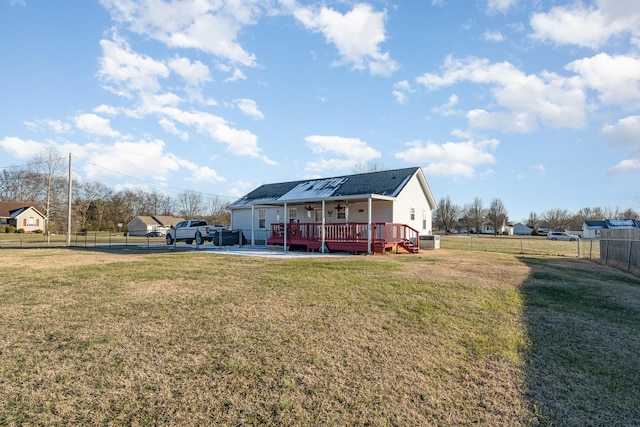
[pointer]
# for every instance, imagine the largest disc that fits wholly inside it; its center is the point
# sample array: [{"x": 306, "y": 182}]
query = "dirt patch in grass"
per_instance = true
[{"x": 443, "y": 338}]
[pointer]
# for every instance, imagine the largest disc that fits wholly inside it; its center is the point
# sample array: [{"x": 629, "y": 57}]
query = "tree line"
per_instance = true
[
  {"x": 450, "y": 217},
  {"x": 95, "y": 206}
]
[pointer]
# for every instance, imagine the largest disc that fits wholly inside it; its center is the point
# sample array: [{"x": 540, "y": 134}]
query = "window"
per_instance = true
[
  {"x": 412, "y": 214},
  {"x": 318, "y": 215},
  {"x": 31, "y": 221},
  {"x": 262, "y": 223},
  {"x": 424, "y": 219},
  {"x": 293, "y": 214}
]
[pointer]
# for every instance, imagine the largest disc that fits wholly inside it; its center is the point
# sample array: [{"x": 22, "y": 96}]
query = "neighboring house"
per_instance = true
[
  {"x": 141, "y": 225},
  {"x": 518, "y": 229},
  {"x": 353, "y": 209},
  {"x": 22, "y": 215},
  {"x": 592, "y": 229},
  {"x": 486, "y": 228}
]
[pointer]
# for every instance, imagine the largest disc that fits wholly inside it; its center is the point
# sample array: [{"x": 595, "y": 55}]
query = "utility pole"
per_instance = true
[{"x": 69, "y": 206}]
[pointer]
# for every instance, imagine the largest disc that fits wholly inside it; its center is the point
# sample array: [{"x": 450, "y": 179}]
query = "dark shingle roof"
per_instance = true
[
  {"x": 7, "y": 209},
  {"x": 384, "y": 183}
]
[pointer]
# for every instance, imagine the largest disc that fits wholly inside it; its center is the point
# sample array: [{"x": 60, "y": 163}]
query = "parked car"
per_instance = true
[
  {"x": 154, "y": 234},
  {"x": 561, "y": 235}
]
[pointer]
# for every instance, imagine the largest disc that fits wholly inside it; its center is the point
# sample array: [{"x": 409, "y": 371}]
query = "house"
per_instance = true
[
  {"x": 141, "y": 225},
  {"x": 22, "y": 215},
  {"x": 518, "y": 229},
  {"x": 367, "y": 212},
  {"x": 592, "y": 229}
]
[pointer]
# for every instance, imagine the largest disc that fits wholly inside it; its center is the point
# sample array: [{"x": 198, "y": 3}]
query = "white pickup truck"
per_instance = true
[{"x": 192, "y": 230}]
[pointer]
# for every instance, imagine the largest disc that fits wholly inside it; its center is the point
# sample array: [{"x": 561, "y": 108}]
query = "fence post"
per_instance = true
[
  {"x": 521, "y": 251},
  {"x": 629, "y": 256},
  {"x": 578, "y": 247}
]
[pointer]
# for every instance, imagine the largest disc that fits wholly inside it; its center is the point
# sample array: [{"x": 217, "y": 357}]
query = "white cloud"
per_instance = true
[
  {"x": 250, "y": 108},
  {"x": 616, "y": 78},
  {"x": 625, "y": 133},
  {"x": 206, "y": 174},
  {"x": 59, "y": 126},
  {"x": 95, "y": 125},
  {"x": 493, "y": 36},
  {"x": 446, "y": 109},
  {"x": 236, "y": 75},
  {"x": 169, "y": 126},
  {"x": 356, "y": 34},
  {"x": 238, "y": 142},
  {"x": 625, "y": 166},
  {"x": 125, "y": 158},
  {"x": 593, "y": 26},
  {"x": 124, "y": 71},
  {"x": 194, "y": 73},
  {"x": 450, "y": 158},
  {"x": 524, "y": 100},
  {"x": 400, "y": 91},
  {"x": 500, "y": 5},
  {"x": 106, "y": 109},
  {"x": 344, "y": 152},
  {"x": 21, "y": 148},
  {"x": 209, "y": 26}
]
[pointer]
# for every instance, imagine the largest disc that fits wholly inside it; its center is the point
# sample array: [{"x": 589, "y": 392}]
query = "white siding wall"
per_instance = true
[
  {"x": 138, "y": 228},
  {"x": 412, "y": 196}
]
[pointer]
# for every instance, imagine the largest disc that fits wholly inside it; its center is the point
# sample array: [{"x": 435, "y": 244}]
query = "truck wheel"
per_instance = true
[
  {"x": 199, "y": 239},
  {"x": 169, "y": 240}
]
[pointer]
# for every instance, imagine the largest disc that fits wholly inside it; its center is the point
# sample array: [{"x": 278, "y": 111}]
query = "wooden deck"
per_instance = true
[{"x": 345, "y": 237}]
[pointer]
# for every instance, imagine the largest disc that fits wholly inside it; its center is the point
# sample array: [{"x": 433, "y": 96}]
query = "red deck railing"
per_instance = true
[{"x": 344, "y": 236}]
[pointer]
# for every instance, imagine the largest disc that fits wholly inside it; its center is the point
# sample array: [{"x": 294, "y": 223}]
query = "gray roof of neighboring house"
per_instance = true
[{"x": 384, "y": 183}]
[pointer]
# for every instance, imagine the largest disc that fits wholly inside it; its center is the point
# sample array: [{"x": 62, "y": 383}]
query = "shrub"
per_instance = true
[
  {"x": 20, "y": 230},
  {"x": 38, "y": 231}
]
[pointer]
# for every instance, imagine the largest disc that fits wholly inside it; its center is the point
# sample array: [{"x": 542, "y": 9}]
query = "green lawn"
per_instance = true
[{"x": 448, "y": 337}]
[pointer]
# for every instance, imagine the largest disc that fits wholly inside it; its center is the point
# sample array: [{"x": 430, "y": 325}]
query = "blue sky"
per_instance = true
[{"x": 534, "y": 103}]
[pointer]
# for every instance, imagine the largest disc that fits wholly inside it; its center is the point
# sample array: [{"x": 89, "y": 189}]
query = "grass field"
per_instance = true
[{"x": 447, "y": 337}]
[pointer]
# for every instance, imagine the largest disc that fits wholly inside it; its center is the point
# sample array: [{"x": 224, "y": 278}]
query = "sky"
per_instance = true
[{"x": 535, "y": 103}]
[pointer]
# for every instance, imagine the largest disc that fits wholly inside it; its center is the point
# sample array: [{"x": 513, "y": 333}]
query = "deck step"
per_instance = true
[{"x": 410, "y": 247}]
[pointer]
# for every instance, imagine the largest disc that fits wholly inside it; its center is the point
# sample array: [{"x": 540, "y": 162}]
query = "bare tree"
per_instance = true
[
  {"x": 557, "y": 219},
  {"x": 217, "y": 212},
  {"x": 630, "y": 214},
  {"x": 533, "y": 221},
  {"x": 85, "y": 197},
  {"x": 496, "y": 215},
  {"x": 19, "y": 185},
  {"x": 474, "y": 215},
  {"x": 49, "y": 167},
  {"x": 369, "y": 166},
  {"x": 191, "y": 204},
  {"x": 446, "y": 215}
]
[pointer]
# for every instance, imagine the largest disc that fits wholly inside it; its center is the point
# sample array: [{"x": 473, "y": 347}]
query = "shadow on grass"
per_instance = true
[{"x": 583, "y": 324}]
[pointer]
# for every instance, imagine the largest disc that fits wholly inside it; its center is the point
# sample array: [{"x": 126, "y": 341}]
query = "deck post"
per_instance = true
[
  {"x": 369, "y": 203},
  {"x": 323, "y": 246},
  {"x": 253, "y": 226},
  {"x": 285, "y": 214}
]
